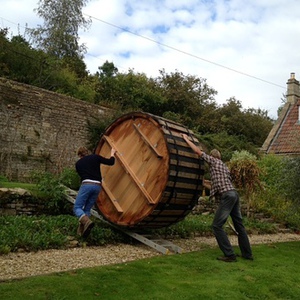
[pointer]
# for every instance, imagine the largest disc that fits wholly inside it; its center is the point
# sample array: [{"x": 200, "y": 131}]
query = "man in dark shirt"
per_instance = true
[
  {"x": 229, "y": 205},
  {"x": 88, "y": 168}
]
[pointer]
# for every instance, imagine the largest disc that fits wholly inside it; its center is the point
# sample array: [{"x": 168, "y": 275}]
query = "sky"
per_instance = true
[{"x": 243, "y": 49}]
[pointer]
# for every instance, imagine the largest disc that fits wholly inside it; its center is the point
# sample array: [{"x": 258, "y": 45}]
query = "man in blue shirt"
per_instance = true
[
  {"x": 88, "y": 168},
  {"x": 229, "y": 205}
]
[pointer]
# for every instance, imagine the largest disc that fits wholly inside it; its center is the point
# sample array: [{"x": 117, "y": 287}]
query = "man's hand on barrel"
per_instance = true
[
  {"x": 196, "y": 149},
  {"x": 185, "y": 137}
]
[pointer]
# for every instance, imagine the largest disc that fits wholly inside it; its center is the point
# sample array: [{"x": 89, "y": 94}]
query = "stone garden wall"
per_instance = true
[{"x": 40, "y": 130}]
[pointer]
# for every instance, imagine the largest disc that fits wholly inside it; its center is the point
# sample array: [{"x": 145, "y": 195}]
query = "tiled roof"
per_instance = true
[{"x": 284, "y": 137}]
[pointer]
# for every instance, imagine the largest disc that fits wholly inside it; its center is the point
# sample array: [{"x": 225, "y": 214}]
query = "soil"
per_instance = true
[{"x": 25, "y": 264}]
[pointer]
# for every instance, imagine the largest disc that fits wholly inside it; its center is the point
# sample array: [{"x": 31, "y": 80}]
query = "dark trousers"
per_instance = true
[{"x": 230, "y": 206}]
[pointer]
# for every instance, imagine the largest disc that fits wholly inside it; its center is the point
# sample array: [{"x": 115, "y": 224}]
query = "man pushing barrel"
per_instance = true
[
  {"x": 88, "y": 168},
  {"x": 229, "y": 205}
]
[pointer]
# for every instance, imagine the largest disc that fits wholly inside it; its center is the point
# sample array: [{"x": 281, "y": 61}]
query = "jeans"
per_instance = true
[
  {"x": 86, "y": 198},
  {"x": 230, "y": 206}
]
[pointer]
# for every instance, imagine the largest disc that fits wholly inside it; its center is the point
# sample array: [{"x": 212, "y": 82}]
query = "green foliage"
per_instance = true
[
  {"x": 130, "y": 91},
  {"x": 188, "y": 227},
  {"x": 240, "y": 157},
  {"x": 19, "y": 61},
  {"x": 70, "y": 178},
  {"x": 276, "y": 205},
  {"x": 107, "y": 70},
  {"x": 53, "y": 193},
  {"x": 280, "y": 196},
  {"x": 3, "y": 178},
  {"x": 252, "y": 124},
  {"x": 271, "y": 166},
  {"x": 173, "y": 116},
  {"x": 103, "y": 235},
  {"x": 255, "y": 226},
  {"x": 34, "y": 233},
  {"x": 185, "y": 95},
  {"x": 227, "y": 144},
  {"x": 85, "y": 91},
  {"x": 291, "y": 179},
  {"x": 97, "y": 127},
  {"x": 64, "y": 81}
]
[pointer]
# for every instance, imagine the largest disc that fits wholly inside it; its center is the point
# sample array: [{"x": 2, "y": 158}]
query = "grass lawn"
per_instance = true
[{"x": 274, "y": 274}]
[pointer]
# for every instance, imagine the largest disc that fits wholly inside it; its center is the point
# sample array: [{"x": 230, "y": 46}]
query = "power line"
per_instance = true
[
  {"x": 186, "y": 53},
  {"x": 174, "y": 49}
]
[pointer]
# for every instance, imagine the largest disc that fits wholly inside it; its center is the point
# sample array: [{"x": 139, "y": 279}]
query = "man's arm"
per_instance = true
[{"x": 196, "y": 149}]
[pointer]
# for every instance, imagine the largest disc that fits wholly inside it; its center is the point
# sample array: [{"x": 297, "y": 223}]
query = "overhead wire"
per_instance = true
[
  {"x": 174, "y": 49},
  {"x": 184, "y": 52}
]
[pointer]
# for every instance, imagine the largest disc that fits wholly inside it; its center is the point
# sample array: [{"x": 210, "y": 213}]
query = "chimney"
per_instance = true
[{"x": 293, "y": 90}]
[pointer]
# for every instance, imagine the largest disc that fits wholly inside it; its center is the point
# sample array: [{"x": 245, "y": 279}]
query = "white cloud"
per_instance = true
[{"x": 203, "y": 38}]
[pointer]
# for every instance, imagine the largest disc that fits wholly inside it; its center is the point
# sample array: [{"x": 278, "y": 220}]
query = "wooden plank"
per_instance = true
[
  {"x": 169, "y": 125},
  {"x": 145, "y": 139},
  {"x": 112, "y": 198},
  {"x": 129, "y": 171}
]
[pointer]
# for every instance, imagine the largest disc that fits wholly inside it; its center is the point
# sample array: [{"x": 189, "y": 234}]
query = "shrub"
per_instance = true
[
  {"x": 272, "y": 167},
  {"x": 280, "y": 197},
  {"x": 53, "y": 193},
  {"x": 245, "y": 173},
  {"x": 34, "y": 233},
  {"x": 70, "y": 178},
  {"x": 290, "y": 182}
]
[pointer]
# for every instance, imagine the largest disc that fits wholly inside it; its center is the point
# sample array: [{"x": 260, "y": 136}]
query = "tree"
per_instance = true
[
  {"x": 127, "y": 91},
  {"x": 59, "y": 34},
  {"x": 19, "y": 61},
  {"x": 185, "y": 95},
  {"x": 107, "y": 70},
  {"x": 252, "y": 125}
]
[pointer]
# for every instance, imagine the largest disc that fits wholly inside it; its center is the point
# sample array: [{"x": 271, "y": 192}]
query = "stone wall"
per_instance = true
[
  {"x": 40, "y": 130},
  {"x": 18, "y": 201}
]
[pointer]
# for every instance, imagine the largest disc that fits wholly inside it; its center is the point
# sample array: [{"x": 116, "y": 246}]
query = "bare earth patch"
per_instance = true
[{"x": 20, "y": 265}]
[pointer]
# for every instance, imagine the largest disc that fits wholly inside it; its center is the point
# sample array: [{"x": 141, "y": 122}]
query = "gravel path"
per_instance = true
[{"x": 20, "y": 265}]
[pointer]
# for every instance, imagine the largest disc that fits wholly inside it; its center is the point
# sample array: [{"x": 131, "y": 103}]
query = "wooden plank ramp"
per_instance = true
[{"x": 154, "y": 242}]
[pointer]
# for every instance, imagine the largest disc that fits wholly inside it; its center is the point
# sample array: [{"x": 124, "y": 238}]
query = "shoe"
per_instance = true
[
  {"x": 87, "y": 225},
  {"x": 227, "y": 258},
  {"x": 246, "y": 257},
  {"x": 80, "y": 229}
]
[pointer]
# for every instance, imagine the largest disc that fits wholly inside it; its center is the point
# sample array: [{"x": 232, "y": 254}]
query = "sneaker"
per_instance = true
[{"x": 227, "y": 258}]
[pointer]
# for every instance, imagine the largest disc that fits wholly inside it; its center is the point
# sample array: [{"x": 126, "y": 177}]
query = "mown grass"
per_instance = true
[
  {"x": 274, "y": 274},
  {"x": 26, "y": 186}
]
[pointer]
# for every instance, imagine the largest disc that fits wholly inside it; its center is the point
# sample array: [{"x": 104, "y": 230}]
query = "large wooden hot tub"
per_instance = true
[{"x": 156, "y": 180}]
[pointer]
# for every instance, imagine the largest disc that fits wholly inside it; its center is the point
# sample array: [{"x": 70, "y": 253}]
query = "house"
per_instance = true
[{"x": 284, "y": 137}]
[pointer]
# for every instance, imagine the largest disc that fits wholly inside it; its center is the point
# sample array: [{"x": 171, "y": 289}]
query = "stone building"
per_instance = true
[{"x": 284, "y": 138}]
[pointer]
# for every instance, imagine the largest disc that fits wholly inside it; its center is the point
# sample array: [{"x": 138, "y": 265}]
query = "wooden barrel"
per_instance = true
[{"x": 156, "y": 180}]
